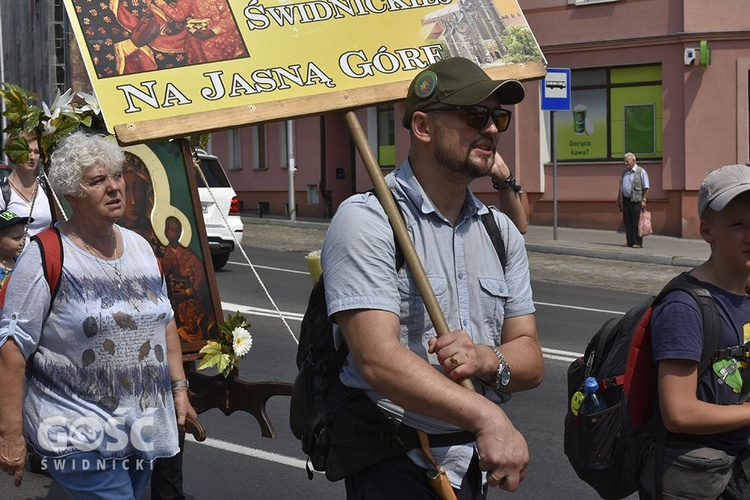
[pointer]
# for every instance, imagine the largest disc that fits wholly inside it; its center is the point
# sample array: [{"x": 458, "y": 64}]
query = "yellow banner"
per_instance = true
[{"x": 165, "y": 68}]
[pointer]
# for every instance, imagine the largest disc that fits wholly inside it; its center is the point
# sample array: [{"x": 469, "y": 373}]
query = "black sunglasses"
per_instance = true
[{"x": 477, "y": 116}]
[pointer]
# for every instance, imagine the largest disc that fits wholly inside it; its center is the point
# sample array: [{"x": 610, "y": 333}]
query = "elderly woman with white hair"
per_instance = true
[{"x": 100, "y": 360}]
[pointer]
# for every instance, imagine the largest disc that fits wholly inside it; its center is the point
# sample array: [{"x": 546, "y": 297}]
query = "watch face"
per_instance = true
[{"x": 505, "y": 376}]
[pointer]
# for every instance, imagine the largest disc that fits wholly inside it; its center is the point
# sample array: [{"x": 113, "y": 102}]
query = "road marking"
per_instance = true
[
  {"x": 249, "y": 452},
  {"x": 559, "y": 355},
  {"x": 259, "y": 311},
  {"x": 579, "y": 308},
  {"x": 269, "y": 268}
]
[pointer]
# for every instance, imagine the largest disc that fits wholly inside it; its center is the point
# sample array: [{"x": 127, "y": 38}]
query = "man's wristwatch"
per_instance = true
[
  {"x": 176, "y": 384},
  {"x": 502, "y": 378}
]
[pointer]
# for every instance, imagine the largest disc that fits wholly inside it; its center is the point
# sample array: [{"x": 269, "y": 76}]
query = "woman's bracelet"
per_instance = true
[{"x": 509, "y": 183}]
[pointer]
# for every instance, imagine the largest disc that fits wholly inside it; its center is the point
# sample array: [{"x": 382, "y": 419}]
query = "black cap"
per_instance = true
[{"x": 8, "y": 218}]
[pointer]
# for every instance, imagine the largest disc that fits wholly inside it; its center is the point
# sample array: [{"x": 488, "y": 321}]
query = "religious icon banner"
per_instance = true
[{"x": 167, "y": 68}]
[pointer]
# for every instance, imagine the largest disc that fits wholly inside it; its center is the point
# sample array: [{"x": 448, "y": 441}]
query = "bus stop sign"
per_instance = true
[{"x": 556, "y": 90}]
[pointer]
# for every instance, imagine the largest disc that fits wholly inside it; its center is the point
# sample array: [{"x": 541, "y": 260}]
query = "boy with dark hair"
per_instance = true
[
  {"x": 709, "y": 427},
  {"x": 11, "y": 242}
]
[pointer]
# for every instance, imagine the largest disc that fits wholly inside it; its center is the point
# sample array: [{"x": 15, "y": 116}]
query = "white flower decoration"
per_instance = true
[
  {"x": 92, "y": 103},
  {"x": 50, "y": 114},
  {"x": 61, "y": 104},
  {"x": 49, "y": 128},
  {"x": 243, "y": 341}
]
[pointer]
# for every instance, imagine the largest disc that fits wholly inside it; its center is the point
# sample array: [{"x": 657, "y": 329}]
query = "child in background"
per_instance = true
[
  {"x": 709, "y": 425},
  {"x": 11, "y": 242}
]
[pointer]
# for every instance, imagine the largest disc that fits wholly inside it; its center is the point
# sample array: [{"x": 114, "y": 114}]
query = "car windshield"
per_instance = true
[{"x": 215, "y": 175}]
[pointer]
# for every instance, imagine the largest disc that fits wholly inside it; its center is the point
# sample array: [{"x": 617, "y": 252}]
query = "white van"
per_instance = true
[{"x": 220, "y": 240}]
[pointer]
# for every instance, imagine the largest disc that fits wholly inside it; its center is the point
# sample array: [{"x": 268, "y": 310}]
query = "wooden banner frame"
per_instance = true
[{"x": 171, "y": 68}]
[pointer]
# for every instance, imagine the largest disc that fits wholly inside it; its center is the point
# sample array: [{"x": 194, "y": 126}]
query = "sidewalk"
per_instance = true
[{"x": 600, "y": 244}]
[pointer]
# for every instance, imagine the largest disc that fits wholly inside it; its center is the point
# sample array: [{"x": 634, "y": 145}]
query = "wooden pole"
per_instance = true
[{"x": 399, "y": 229}]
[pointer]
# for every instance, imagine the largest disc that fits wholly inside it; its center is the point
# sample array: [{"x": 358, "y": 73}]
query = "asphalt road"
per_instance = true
[
  {"x": 573, "y": 297},
  {"x": 550, "y": 268}
]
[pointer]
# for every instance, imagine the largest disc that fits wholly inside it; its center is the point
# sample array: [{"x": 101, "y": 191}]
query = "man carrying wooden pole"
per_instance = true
[{"x": 455, "y": 113}]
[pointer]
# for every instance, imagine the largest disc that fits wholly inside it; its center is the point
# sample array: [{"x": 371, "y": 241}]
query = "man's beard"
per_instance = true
[{"x": 463, "y": 167}]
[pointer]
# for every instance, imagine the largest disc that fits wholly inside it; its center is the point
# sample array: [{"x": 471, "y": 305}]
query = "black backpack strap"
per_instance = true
[
  {"x": 490, "y": 224},
  {"x": 711, "y": 321},
  {"x": 660, "y": 445},
  {"x": 5, "y": 188},
  {"x": 337, "y": 361}
]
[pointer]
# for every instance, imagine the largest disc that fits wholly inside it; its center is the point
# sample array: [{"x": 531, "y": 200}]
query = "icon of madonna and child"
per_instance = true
[{"x": 149, "y": 213}]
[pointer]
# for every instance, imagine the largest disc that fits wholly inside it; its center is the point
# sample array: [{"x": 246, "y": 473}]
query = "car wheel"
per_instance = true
[{"x": 220, "y": 260}]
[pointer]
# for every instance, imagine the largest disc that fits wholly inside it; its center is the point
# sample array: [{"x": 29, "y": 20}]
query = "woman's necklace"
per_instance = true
[
  {"x": 118, "y": 281},
  {"x": 99, "y": 256},
  {"x": 20, "y": 193}
]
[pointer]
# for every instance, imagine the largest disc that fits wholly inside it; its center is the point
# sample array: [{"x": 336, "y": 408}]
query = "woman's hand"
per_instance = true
[
  {"x": 13, "y": 456},
  {"x": 182, "y": 405}
]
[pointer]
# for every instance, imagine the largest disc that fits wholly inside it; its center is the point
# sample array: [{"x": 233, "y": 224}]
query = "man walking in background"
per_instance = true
[{"x": 632, "y": 199}]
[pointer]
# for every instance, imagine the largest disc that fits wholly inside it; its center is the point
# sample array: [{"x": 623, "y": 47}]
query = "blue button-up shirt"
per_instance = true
[{"x": 462, "y": 265}]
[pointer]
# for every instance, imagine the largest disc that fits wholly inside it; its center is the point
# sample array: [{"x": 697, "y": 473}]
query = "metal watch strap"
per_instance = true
[
  {"x": 500, "y": 366},
  {"x": 176, "y": 384}
]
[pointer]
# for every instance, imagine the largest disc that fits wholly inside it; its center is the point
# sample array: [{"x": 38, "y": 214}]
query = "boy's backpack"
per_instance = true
[
  {"x": 50, "y": 242},
  {"x": 311, "y": 416},
  {"x": 607, "y": 448}
]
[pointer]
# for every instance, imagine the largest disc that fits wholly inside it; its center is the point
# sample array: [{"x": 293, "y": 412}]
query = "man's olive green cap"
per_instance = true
[{"x": 457, "y": 81}]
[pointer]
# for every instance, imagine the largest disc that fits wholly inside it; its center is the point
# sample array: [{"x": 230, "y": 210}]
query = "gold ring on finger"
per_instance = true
[{"x": 454, "y": 361}]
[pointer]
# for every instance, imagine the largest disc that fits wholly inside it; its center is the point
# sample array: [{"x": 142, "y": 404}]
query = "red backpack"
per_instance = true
[{"x": 52, "y": 261}]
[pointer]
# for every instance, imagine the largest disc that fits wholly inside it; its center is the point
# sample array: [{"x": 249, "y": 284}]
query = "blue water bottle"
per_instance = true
[{"x": 592, "y": 403}]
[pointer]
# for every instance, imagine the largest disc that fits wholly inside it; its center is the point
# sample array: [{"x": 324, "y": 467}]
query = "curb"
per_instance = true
[
  {"x": 265, "y": 221},
  {"x": 664, "y": 260}
]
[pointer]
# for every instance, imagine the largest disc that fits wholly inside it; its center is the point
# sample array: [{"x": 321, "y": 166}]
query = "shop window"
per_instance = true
[
  {"x": 613, "y": 110},
  {"x": 639, "y": 124}
]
